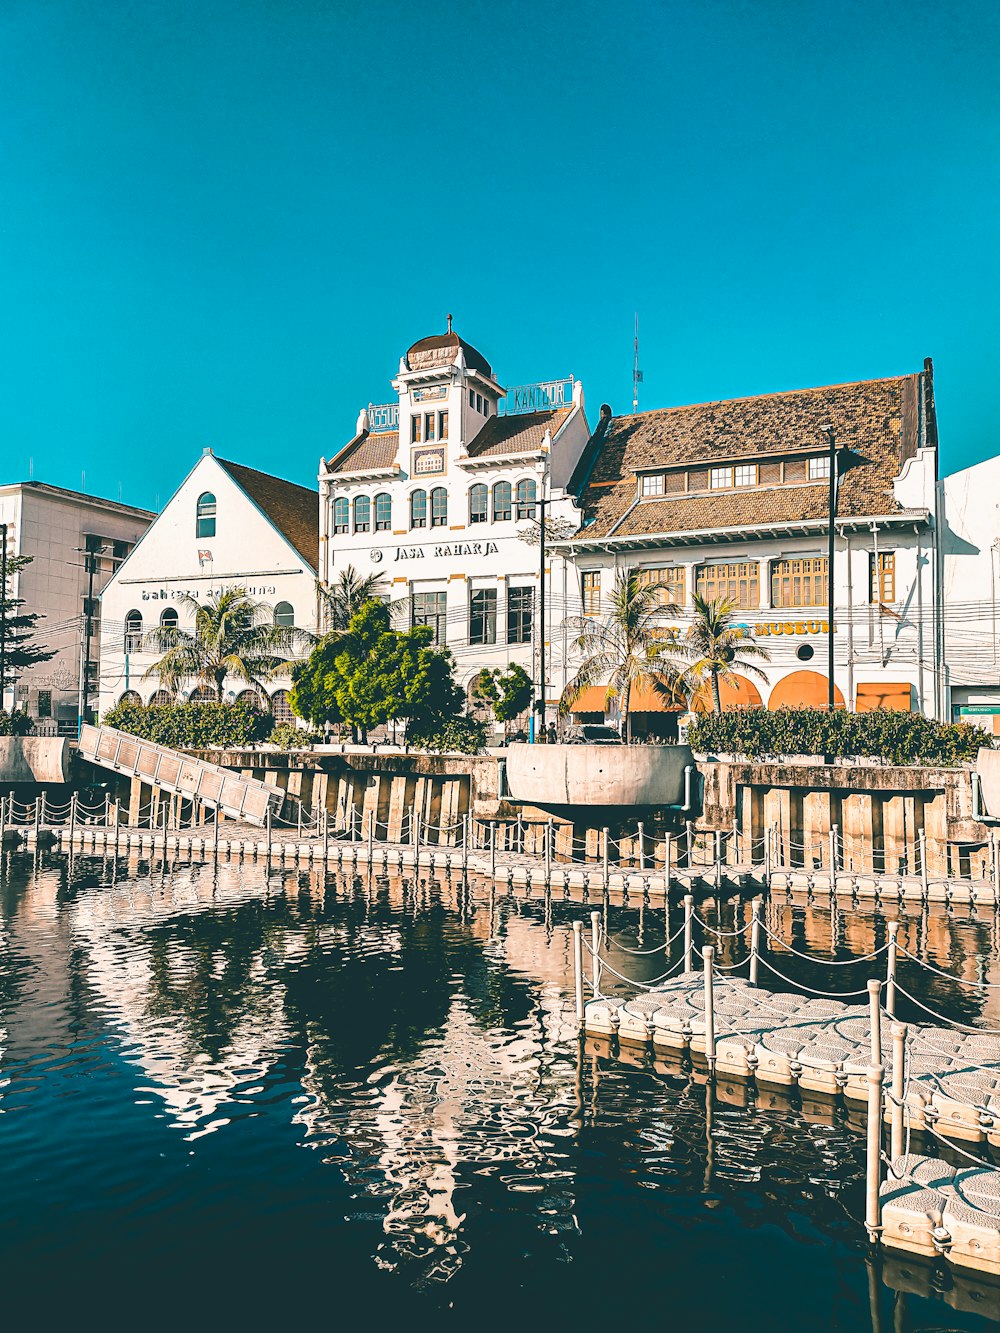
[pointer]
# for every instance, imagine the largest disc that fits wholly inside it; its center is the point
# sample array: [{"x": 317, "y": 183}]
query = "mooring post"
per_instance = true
[
  {"x": 3, "y": 821},
  {"x": 873, "y": 1173},
  {"x": 767, "y": 857},
  {"x": 718, "y": 859},
  {"x": 689, "y": 835},
  {"x": 117, "y": 824},
  {"x": 708, "y": 953},
  {"x": 107, "y": 807},
  {"x": 38, "y": 814},
  {"x": 892, "y": 930},
  {"x": 72, "y": 818},
  {"x": 667, "y": 840},
  {"x": 548, "y": 851},
  {"x": 326, "y": 839},
  {"x": 832, "y": 856},
  {"x": 581, "y": 1011},
  {"x": 299, "y": 822},
  {"x": 45, "y": 808},
  {"x": 166, "y": 825},
  {"x": 416, "y": 838},
  {"x": 922, "y": 840},
  {"x": 755, "y": 942},
  {"x": 642, "y": 846},
  {"x": 466, "y": 837},
  {"x": 215, "y": 850},
  {"x": 995, "y": 840},
  {"x": 371, "y": 836},
  {"x": 595, "y": 946},
  {"x": 896, "y": 1139},
  {"x": 875, "y": 1012},
  {"x": 688, "y": 913},
  {"x": 604, "y": 861},
  {"x": 493, "y": 850}
]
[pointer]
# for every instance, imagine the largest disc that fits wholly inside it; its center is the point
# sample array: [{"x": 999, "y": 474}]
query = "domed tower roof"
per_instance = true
[{"x": 439, "y": 350}]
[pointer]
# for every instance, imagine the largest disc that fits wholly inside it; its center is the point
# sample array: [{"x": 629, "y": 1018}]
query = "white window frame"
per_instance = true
[{"x": 653, "y": 484}]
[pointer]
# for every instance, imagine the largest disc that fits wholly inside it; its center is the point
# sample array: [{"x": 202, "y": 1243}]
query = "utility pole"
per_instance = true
[
  {"x": 3, "y": 614},
  {"x": 541, "y": 618},
  {"x": 829, "y": 567}
]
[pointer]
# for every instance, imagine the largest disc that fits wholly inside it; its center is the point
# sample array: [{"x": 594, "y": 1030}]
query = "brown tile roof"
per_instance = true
[
  {"x": 878, "y": 419},
  {"x": 366, "y": 453},
  {"x": 516, "y": 434},
  {"x": 293, "y": 509}
]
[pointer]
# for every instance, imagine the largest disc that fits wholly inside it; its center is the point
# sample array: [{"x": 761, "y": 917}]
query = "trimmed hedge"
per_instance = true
[
  {"x": 192, "y": 726},
  {"x": 893, "y": 737},
  {"x": 462, "y": 735}
]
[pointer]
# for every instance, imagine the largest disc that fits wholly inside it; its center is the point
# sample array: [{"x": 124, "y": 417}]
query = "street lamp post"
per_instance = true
[
  {"x": 541, "y": 621},
  {"x": 3, "y": 614},
  {"x": 829, "y": 567}
]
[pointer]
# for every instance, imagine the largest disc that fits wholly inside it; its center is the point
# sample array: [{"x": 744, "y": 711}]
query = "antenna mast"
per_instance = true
[{"x": 636, "y": 372}]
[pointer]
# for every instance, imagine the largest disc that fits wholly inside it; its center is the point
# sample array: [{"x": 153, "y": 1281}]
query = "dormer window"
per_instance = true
[
  {"x": 654, "y": 484},
  {"x": 726, "y": 478}
]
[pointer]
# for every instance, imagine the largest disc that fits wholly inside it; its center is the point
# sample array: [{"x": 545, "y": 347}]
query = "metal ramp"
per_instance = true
[{"x": 220, "y": 788}]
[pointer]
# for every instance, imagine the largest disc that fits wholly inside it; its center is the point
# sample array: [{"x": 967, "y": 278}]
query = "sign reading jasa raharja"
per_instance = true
[{"x": 441, "y": 492}]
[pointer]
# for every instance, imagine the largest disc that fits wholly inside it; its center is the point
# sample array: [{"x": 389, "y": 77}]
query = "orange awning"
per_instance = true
[
  {"x": 803, "y": 689},
  {"x": 590, "y": 700},
  {"x": 892, "y": 694},
  {"x": 737, "y": 692},
  {"x": 642, "y": 699}
]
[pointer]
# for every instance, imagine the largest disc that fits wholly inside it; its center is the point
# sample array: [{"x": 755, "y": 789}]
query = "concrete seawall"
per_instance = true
[{"x": 598, "y": 775}]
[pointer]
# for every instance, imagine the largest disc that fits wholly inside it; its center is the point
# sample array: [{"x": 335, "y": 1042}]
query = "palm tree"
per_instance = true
[
  {"x": 716, "y": 646},
  {"x": 348, "y": 594},
  {"x": 627, "y": 648},
  {"x": 233, "y": 635}
]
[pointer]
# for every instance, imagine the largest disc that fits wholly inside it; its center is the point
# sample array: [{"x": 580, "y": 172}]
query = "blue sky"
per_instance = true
[{"x": 224, "y": 220}]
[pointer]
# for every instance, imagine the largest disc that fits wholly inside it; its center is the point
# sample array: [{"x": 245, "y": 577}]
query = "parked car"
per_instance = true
[{"x": 591, "y": 733}]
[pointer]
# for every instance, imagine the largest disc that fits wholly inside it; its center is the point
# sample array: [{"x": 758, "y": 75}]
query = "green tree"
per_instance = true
[
  {"x": 717, "y": 647},
  {"x": 628, "y": 647},
  {"x": 233, "y": 635},
  {"x": 18, "y": 652},
  {"x": 346, "y": 595},
  {"x": 506, "y": 693},
  {"x": 370, "y": 674}
]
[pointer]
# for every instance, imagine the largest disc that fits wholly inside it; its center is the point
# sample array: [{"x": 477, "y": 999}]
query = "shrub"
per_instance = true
[
  {"x": 287, "y": 736},
  {"x": 893, "y": 737},
  {"x": 192, "y": 726},
  {"x": 15, "y": 723},
  {"x": 464, "y": 735}
]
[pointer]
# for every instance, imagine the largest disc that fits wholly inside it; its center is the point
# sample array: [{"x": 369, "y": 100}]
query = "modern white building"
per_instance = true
[
  {"x": 76, "y": 542},
  {"x": 441, "y": 492},
  {"x": 970, "y": 586},
  {"x": 733, "y": 499},
  {"x": 226, "y": 526}
]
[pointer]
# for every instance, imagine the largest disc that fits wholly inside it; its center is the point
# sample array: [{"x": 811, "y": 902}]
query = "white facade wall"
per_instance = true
[
  {"x": 460, "y": 557},
  {"x": 246, "y": 551},
  {"x": 53, "y": 526},
  {"x": 871, "y": 647},
  {"x": 970, "y": 544}
]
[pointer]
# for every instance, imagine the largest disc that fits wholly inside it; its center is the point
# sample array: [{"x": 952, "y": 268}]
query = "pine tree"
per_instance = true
[{"x": 18, "y": 652}]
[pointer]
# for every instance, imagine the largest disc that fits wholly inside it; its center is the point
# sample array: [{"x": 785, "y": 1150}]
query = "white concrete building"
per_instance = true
[
  {"x": 76, "y": 543},
  {"x": 226, "y": 526},
  {"x": 732, "y": 499},
  {"x": 970, "y": 586},
  {"x": 439, "y": 490}
]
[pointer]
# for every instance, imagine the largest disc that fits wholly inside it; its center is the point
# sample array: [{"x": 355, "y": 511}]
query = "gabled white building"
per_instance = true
[
  {"x": 226, "y": 526},
  {"x": 441, "y": 490}
]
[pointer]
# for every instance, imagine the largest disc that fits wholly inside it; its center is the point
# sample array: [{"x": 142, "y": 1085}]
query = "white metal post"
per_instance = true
[
  {"x": 873, "y": 1173},
  {"x": 642, "y": 846},
  {"x": 667, "y": 841},
  {"x": 548, "y": 852},
  {"x": 72, "y": 819},
  {"x": 595, "y": 945},
  {"x": 718, "y": 859},
  {"x": 875, "y": 1014},
  {"x": 922, "y": 837},
  {"x": 709, "y": 956},
  {"x": 604, "y": 860},
  {"x": 896, "y": 1141},
  {"x": 755, "y": 942},
  {"x": 832, "y": 856},
  {"x": 688, "y": 911}
]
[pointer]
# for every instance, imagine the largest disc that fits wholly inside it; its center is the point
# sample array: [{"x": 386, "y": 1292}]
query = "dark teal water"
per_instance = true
[{"x": 252, "y": 1103}]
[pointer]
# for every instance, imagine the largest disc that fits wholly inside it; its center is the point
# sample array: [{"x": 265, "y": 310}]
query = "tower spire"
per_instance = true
[{"x": 449, "y": 323}]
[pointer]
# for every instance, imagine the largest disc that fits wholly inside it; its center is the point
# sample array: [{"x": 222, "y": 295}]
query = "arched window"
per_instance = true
[
  {"x": 479, "y": 498},
  {"x": 168, "y": 620},
  {"x": 133, "y": 631},
  {"x": 281, "y": 709},
  {"x": 362, "y": 514},
  {"x": 439, "y": 507},
  {"x": 252, "y": 698},
  {"x": 418, "y": 509},
  {"x": 130, "y": 697},
  {"x": 205, "y": 526},
  {"x": 284, "y": 615},
  {"x": 341, "y": 515},
  {"x": 501, "y": 502},
  {"x": 383, "y": 512},
  {"x": 526, "y": 499},
  {"x": 201, "y": 694},
  {"x": 160, "y": 698}
]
